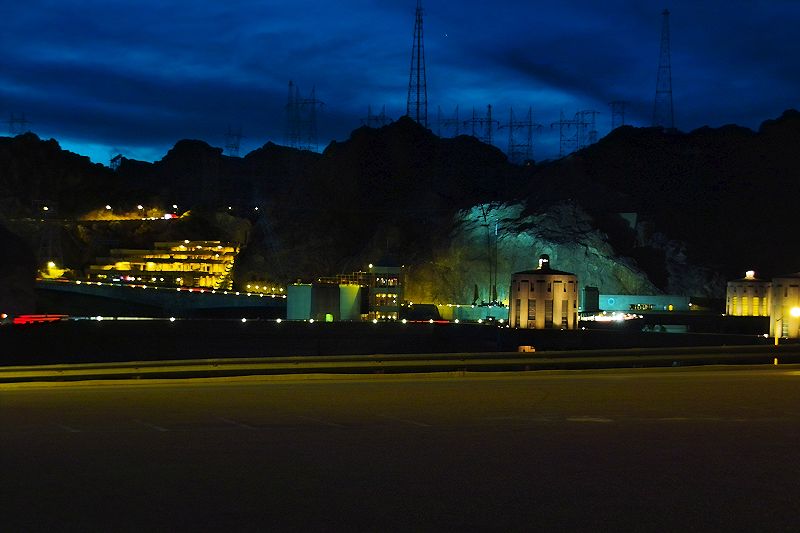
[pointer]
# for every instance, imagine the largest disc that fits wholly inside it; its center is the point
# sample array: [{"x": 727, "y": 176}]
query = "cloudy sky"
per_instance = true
[{"x": 108, "y": 76}]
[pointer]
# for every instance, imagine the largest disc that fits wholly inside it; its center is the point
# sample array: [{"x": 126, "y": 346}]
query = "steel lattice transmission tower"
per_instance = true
[
  {"x": 450, "y": 125},
  {"x": 301, "y": 119},
  {"x": 376, "y": 121},
  {"x": 17, "y": 125},
  {"x": 233, "y": 139},
  {"x": 417, "y": 106},
  {"x": 587, "y": 127},
  {"x": 520, "y": 146},
  {"x": 50, "y": 235},
  {"x": 567, "y": 142},
  {"x": 617, "y": 113},
  {"x": 483, "y": 127},
  {"x": 663, "y": 114}
]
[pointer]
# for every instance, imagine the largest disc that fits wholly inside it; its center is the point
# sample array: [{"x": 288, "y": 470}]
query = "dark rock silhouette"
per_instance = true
[{"x": 709, "y": 203}]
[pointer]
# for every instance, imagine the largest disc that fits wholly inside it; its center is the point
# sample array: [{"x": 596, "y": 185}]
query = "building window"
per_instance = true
[
  {"x": 564, "y": 306},
  {"x": 549, "y": 287},
  {"x": 735, "y": 302},
  {"x": 548, "y": 313},
  {"x": 756, "y": 305},
  {"x": 516, "y": 312},
  {"x": 531, "y": 310}
]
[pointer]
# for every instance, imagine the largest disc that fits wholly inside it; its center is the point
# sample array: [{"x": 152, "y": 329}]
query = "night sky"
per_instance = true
[{"x": 108, "y": 76}]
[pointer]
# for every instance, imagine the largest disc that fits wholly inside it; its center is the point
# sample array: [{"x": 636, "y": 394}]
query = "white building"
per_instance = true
[{"x": 543, "y": 298}]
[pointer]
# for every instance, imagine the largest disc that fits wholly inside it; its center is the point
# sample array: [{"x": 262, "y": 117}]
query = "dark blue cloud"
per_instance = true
[{"x": 104, "y": 75}]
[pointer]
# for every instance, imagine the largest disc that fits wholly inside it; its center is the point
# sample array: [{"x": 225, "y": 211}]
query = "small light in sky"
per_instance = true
[{"x": 108, "y": 206}]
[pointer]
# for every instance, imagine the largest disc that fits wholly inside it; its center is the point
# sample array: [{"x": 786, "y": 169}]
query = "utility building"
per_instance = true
[
  {"x": 748, "y": 296},
  {"x": 543, "y": 298}
]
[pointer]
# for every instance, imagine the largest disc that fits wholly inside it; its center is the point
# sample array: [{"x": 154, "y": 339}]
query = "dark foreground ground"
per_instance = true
[{"x": 705, "y": 449}]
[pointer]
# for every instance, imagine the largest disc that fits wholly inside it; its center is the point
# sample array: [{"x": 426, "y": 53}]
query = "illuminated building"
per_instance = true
[
  {"x": 180, "y": 264},
  {"x": 784, "y": 316},
  {"x": 323, "y": 302},
  {"x": 375, "y": 294},
  {"x": 543, "y": 298},
  {"x": 643, "y": 303},
  {"x": 748, "y": 296},
  {"x": 385, "y": 292}
]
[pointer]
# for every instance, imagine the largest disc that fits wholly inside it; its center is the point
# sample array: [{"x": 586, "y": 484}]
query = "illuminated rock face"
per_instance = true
[{"x": 507, "y": 241}]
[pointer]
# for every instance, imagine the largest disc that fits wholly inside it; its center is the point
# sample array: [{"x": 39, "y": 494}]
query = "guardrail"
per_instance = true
[{"x": 403, "y": 363}]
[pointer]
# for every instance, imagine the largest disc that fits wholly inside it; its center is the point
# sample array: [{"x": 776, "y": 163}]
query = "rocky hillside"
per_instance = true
[{"x": 699, "y": 207}]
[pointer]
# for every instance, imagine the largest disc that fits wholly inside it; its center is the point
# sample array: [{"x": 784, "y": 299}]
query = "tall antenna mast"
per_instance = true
[
  {"x": 417, "y": 106},
  {"x": 663, "y": 114}
]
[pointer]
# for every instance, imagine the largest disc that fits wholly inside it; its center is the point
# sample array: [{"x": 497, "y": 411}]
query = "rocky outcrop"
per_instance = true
[
  {"x": 492, "y": 241},
  {"x": 709, "y": 204}
]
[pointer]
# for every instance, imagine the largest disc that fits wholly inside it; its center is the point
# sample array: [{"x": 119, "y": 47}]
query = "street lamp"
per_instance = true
[{"x": 795, "y": 312}]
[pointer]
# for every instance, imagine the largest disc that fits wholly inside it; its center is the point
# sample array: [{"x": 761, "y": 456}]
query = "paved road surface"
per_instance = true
[{"x": 650, "y": 449}]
